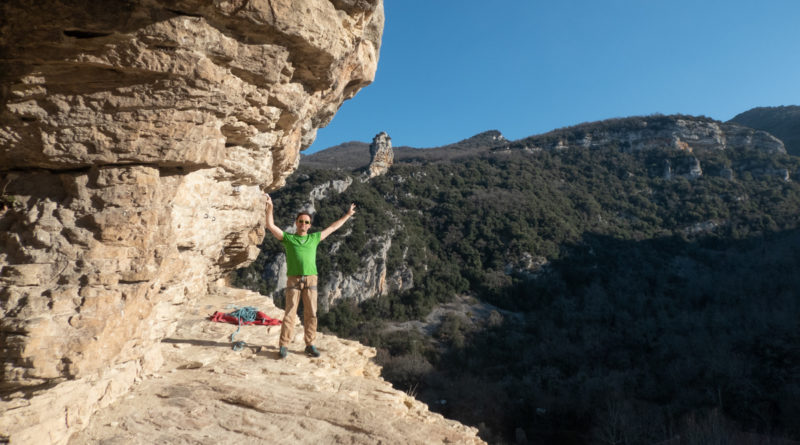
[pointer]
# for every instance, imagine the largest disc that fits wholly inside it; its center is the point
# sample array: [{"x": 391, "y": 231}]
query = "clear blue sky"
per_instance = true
[{"x": 450, "y": 69}]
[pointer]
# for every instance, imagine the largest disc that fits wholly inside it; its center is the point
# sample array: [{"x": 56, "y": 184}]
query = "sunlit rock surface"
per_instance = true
[
  {"x": 381, "y": 154},
  {"x": 206, "y": 392},
  {"x": 136, "y": 140}
]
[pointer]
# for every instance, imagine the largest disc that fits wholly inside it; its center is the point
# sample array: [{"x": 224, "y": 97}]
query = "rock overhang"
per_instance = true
[{"x": 136, "y": 138}]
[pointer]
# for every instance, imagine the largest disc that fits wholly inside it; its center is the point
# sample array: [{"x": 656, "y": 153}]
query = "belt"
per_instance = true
[{"x": 300, "y": 284}]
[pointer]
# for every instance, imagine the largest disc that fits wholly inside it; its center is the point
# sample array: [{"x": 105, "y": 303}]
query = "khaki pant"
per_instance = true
[{"x": 305, "y": 287}]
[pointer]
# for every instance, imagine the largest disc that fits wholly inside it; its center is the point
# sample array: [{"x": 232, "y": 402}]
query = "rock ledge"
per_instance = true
[{"x": 205, "y": 391}]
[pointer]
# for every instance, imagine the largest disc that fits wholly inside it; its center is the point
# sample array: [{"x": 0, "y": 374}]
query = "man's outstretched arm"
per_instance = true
[
  {"x": 338, "y": 223},
  {"x": 273, "y": 229}
]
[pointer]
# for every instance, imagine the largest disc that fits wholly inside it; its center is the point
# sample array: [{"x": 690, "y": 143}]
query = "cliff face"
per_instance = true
[
  {"x": 136, "y": 139},
  {"x": 642, "y": 133},
  {"x": 381, "y": 155},
  {"x": 686, "y": 134},
  {"x": 783, "y": 122},
  {"x": 371, "y": 279}
]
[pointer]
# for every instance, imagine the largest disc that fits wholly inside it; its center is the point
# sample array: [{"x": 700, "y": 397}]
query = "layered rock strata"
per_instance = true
[
  {"x": 685, "y": 133},
  {"x": 381, "y": 155},
  {"x": 136, "y": 140}
]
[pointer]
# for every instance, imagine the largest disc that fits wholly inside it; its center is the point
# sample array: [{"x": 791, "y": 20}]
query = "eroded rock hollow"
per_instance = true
[{"x": 136, "y": 141}]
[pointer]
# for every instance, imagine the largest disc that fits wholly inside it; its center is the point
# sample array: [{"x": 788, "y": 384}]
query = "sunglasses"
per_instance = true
[{"x": 303, "y": 221}]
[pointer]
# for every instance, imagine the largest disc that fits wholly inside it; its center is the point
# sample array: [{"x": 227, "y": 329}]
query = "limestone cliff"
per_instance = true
[
  {"x": 136, "y": 139},
  {"x": 685, "y": 134},
  {"x": 381, "y": 155},
  {"x": 782, "y": 121},
  {"x": 371, "y": 279},
  {"x": 680, "y": 132}
]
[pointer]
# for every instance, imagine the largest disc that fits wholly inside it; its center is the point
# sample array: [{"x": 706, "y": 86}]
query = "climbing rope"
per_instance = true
[{"x": 244, "y": 315}]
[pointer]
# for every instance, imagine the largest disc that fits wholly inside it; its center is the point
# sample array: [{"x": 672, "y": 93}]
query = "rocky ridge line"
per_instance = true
[{"x": 680, "y": 132}]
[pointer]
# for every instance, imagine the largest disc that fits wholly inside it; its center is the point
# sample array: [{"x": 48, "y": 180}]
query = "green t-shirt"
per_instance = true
[{"x": 301, "y": 253}]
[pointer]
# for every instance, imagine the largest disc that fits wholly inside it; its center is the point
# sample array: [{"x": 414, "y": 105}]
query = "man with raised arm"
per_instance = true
[{"x": 301, "y": 274}]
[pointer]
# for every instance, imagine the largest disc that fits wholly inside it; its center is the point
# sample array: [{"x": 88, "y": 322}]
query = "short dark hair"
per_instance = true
[{"x": 310, "y": 218}]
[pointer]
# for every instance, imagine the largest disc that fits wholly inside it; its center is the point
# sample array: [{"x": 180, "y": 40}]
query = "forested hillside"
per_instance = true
[{"x": 632, "y": 305}]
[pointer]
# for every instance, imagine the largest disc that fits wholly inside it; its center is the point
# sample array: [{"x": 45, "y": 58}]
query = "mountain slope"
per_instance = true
[
  {"x": 647, "y": 261},
  {"x": 783, "y": 122}
]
